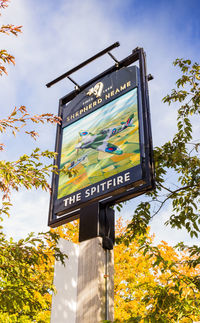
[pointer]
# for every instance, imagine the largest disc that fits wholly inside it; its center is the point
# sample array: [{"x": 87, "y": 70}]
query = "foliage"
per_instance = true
[
  {"x": 5, "y": 57},
  {"x": 154, "y": 284},
  {"x": 70, "y": 231},
  {"x": 26, "y": 271},
  {"x": 26, "y": 266}
]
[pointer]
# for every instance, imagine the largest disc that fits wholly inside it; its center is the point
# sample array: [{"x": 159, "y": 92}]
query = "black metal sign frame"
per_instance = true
[{"x": 140, "y": 178}]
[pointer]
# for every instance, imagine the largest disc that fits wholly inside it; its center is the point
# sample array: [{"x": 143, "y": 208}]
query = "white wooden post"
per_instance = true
[
  {"x": 95, "y": 299},
  {"x": 65, "y": 280},
  {"x": 85, "y": 286}
]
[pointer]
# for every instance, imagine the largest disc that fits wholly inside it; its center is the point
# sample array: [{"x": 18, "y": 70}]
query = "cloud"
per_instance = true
[
  {"x": 165, "y": 233},
  {"x": 28, "y": 214}
]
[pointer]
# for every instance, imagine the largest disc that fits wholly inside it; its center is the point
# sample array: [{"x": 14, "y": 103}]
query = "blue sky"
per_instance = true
[{"x": 57, "y": 35}]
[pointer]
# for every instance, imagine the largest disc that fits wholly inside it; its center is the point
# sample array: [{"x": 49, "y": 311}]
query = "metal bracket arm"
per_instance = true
[{"x": 78, "y": 67}]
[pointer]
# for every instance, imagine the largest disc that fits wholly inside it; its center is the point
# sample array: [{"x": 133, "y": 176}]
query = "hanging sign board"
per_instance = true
[{"x": 102, "y": 146}]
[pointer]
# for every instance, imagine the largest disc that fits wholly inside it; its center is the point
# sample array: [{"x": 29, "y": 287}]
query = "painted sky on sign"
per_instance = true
[
  {"x": 95, "y": 118},
  {"x": 57, "y": 35}
]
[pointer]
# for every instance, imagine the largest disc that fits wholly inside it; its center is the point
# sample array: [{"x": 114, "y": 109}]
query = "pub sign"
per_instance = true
[{"x": 102, "y": 145}]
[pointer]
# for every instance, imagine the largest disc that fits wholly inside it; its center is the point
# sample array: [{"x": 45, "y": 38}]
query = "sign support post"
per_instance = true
[{"x": 95, "y": 295}]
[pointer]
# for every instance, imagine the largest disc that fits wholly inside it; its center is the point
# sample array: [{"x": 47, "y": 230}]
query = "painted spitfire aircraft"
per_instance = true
[
  {"x": 75, "y": 163},
  {"x": 100, "y": 142}
]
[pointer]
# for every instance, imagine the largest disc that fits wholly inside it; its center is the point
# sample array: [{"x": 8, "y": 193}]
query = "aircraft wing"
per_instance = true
[{"x": 108, "y": 148}]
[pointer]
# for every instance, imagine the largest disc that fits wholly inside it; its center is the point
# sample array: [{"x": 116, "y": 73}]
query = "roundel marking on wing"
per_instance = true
[
  {"x": 114, "y": 130},
  {"x": 83, "y": 133},
  {"x": 108, "y": 149}
]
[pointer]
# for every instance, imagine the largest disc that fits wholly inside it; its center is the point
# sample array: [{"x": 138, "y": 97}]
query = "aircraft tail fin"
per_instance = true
[{"x": 129, "y": 122}]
